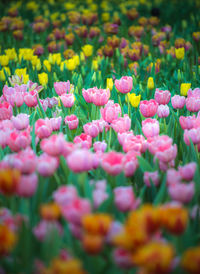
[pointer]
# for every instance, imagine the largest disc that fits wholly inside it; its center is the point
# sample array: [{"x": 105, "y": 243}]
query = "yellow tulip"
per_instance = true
[
  {"x": 95, "y": 64},
  {"x": 71, "y": 64},
  {"x": 150, "y": 83},
  {"x": 47, "y": 65},
  {"x": 20, "y": 72},
  {"x": 43, "y": 78},
  {"x": 109, "y": 83},
  {"x": 2, "y": 73},
  {"x": 87, "y": 50},
  {"x": 25, "y": 78},
  {"x": 4, "y": 60},
  {"x": 11, "y": 53},
  {"x": 184, "y": 88},
  {"x": 105, "y": 16},
  {"x": 180, "y": 53},
  {"x": 134, "y": 99}
]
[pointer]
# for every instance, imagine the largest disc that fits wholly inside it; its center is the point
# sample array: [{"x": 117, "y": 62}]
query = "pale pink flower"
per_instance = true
[
  {"x": 64, "y": 195},
  {"x": 111, "y": 111},
  {"x": 178, "y": 101},
  {"x": 30, "y": 98},
  {"x": 99, "y": 196},
  {"x": 163, "y": 111},
  {"x": 167, "y": 155},
  {"x": 24, "y": 160},
  {"x": 193, "y": 135},
  {"x": 47, "y": 165},
  {"x": 181, "y": 192},
  {"x": 162, "y": 97},
  {"x": 56, "y": 123},
  {"x": 43, "y": 128},
  {"x": 135, "y": 143},
  {"x": 125, "y": 198},
  {"x": 148, "y": 108},
  {"x": 187, "y": 122},
  {"x": 151, "y": 177},
  {"x": 122, "y": 124},
  {"x": 150, "y": 127},
  {"x": 84, "y": 140},
  {"x": 124, "y": 84},
  {"x": 159, "y": 143},
  {"x": 53, "y": 145},
  {"x": 27, "y": 185},
  {"x": 21, "y": 121},
  {"x": 100, "y": 146},
  {"x": 81, "y": 160},
  {"x": 122, "y": 258},
  {"x": 45, "y": 228},
  {"x": 100, "y": 97},
  {"x": 173, "y": 176},
  {"x": 74, "y": 211},
  {"x": 18, "y": 140},
  {"x": 72, "y": 121},
  {"x": 122, "y": 136},
  {"x": 67, "y": 99},
  {"x": 193, "y": 104},
  {"x": 111, "y": 162},
  {"x": 130, "y": 163},
  {"x": 91, "y": 129},
  {"x": 88, "y": 94},
  {"x": 5, "y": 111},
  {"x": 62, "y": 87},
  {"x": 187, "y": 171}
]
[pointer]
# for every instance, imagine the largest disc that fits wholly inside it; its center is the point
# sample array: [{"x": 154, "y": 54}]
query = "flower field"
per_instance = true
[{"x": 100, "y": 137}]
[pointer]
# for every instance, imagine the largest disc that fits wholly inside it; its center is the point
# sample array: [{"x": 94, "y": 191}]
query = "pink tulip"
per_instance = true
[
  {"x": 64, "y": 195},
  {"x": 178, "y": 101},
  {"x": 99, "y": 196},
  {"x": 101, "y": 97},
  {"x": 187, "y": 171},
  {"x": 55, "y": 123},
  {"x": 72, "y": 121},
  {"x": 130, "y": 163},
  {"x": 84, "y": 140},
  {"x": 173, "y": 176},
  {"x": 67, "y": 99},
  {"x": 125, "y": 198},
  {"x": 162, "y": 97},
  {"x": 30, "y": 98},
  {"x": 74, "y": 211},
  {"x": 88, "y": 94},
  {"x": 27, "y": 185},
  {"x": 5, "y": 111},
  {"x": 52, "y": 102},
  {"x": 111, "y": 162},
  {"x": 124, "y": 84},
  {"x": 150, "y": 127},
  {"x": 135, "y": 143},
  {"x": 24, "y": 160},
  {"x": 81, "y": 160},
  {"x": 194, "y": 93},
  {"x": 44, "y": 103},
  {"x": 100, "y": 146},
  {"x": 163, "y": 111},
  {"x": 76, "y": 230},
  {"x": 187, "y": 122},
  {"x": 148, "y": 108},
  {"x": 151, "y": 177},
  {"x": 122, "y": 258},
  {"x": 122, "y": 136},
  {"x": 181, "y": 192},
  {"x": 159, "y": 143},
  {"x": 167, "y": 155},
  {"x": 54, "y": 145},
  {"x": 101, "y": 124},
  {"x": 62, "y": 87},
  {"x": 193, "y": 134},
  {"x": 193, "y": 104},
  {"x": 110, "y": 112},
  {"x": 4, "y": 138},
  {"x": 47, "y": 165},
  {"x": 21, "y": 121},
  {"x": 91, "y": 129},
  {"x": 43, "y": 128},
  {"x": 122, "y": 124},
  {"x": 18, "y": 140},
  {"x": 45, "y": 228}
]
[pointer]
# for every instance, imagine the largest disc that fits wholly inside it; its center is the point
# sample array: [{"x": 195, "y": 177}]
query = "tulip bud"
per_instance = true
[
  {"x": 179, "y": 75},
  {"x": 150, "y": 83}
]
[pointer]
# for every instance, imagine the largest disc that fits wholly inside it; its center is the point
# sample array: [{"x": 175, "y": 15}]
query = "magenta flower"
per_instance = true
[
  {"x": 124, "y": 84},
  {"x": 148, "y": 108}
]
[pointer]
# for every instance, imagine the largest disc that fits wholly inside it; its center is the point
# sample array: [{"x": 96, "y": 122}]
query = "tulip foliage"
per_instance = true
[{"x": 100, "y": 137}]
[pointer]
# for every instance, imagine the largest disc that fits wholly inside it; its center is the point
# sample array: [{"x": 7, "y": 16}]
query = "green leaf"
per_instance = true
[
  {"x": 162, "y": 192},
  {"x": 144, "y": 164}
]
